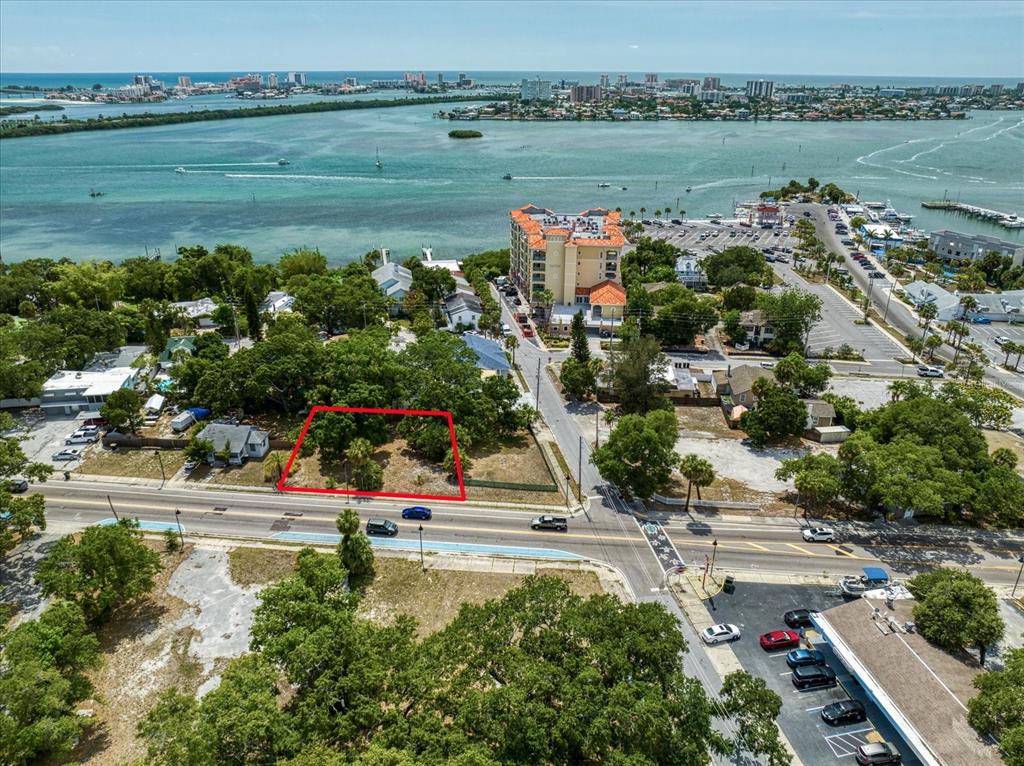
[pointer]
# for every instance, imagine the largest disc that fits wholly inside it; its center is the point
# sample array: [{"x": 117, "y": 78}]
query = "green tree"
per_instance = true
[
  {"x": 354, "y": 550},
  {"x": 777, "y": 414},
  {"x": 734, "y": 331},
  {"x": 955, "y": 609},
  {"x": 792, "y": 313},
  {"x": 579, "y": 379},
  {"x": 816, "y": 476},
  {"x": 636, "y": 372},
  {"x": 986, "y": 406},
  {"x": 366, "y": 472},
  {"x": 301, "y": 262},
  {"x": 198, "y": 449},
  {"x": 739, "y": 298},
  {"x": 698, "y": 473},
  {"x": 998, "y": 708},
  {"x": 682, "y": 315},
  {"x": 123, "y": 410},
  {"x": 753, "y": 707},
  {"x": 104, "y": 568},
  {"x": 808, "y": 381},
  {"x": 19, "y": 516},
  {"x": 738, "y": 264},
  {"x": 512, "y": 343},
  {"x": 578, "y": 338},
  {"x": 638, "y": 457}
]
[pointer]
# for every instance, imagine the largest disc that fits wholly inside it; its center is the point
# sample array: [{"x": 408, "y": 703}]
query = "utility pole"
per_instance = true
[
  {"x": 597, "y": 428},
  {"x": 538, "y": 385},
  {"x": 714, "y": 550},
  {"x": 579, "y": 473},
  {"x": 423, "y": 566},
  {"x": 1014, "y": 592},
  {"x": 177, "y": 519},
  {"x": 111, "y": 504},
  {"x": 163, "y": 476}
]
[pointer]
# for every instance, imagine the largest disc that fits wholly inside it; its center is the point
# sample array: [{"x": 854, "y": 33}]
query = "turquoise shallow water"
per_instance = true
[{"x": 449, "y": 194}]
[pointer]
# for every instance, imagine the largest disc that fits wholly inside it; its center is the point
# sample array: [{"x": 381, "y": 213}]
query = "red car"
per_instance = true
[{"x": 780, "y": 639}]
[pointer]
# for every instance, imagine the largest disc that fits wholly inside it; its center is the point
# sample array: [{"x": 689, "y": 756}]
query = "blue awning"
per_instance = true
[{"x": 876, "y": 573}]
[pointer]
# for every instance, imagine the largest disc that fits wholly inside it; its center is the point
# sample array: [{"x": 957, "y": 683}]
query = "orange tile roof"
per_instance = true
[
  {"x": 608, "y": 293},
  {"x": 535, "y": 231}
]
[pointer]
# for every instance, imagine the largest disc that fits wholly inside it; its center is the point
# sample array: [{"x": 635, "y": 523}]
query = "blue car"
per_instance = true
[
  {"x": 417, "y": 512},
  {"x": 981, "y": 320},
  {"x": 799, "y": 658}
]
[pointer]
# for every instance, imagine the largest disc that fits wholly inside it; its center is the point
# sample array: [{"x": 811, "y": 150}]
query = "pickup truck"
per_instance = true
[{"x": 557, "y": 523}]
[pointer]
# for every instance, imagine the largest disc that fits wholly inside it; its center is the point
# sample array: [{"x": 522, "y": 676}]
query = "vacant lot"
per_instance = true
[
  {"x": 140, "y": 463},
  {"x": 1010, "y": 441},
  {"x": 516, "y": 460}
]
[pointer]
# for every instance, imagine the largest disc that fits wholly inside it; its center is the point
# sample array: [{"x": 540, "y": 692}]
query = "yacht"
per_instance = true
[
  {"x": 624, "y": 188},
  {"x": 603, "y": 185},
  {"x": 689, "y": 189},
  {"x": 874, "y": 205},
  {"x": 507, "y": 177},
  {"x": 283, "y": 161},
  {"x": 180, "y": 169}
]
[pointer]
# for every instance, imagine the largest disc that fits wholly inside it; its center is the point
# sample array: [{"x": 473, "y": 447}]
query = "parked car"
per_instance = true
[
  {"x": 927, "y": 371},
  {"x": 556, "y": 523},
  {"x": 190, "y": 465},
  {"x": 798, "y": 618},
  {"x": 981, "y": 320},
  {"x": 74, "y": 453},
  {"x": 876, "y": 275},
  {"x": 720, "y": 633},
  {"x": 527, "y": 332},
  {"x": 779, "y": 639},
  {"x": 807, "y": 214},
  {"x": 381, "y": 527},
  {"x": 17, "y": 486},
  {"x": 799, "y": 658},
  {"x": 1001, "y": 340},
  {"x": 814, "y": 677},
  {"x": 874, "y": 753},
  {"x": 677, "y": 222},
  {"x": 80, "y": 437},
  {"x": 818, "y": 535},
  {"x": 847, "y": 711},
  {"x": 417, "y": 512},
  {"x": 782, "y": 259}
]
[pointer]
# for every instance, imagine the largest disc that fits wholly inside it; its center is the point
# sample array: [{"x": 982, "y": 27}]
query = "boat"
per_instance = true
[
  {"x": 377, "y": 162},
  {"x": 624, "y": 188},
  {"x": 283, "y": 161},
  {"x": 94, "y": 193},
  {"x": 180, "y": 169},
  {"x": 603, "y": 185},
  {"x": 855, "y": 586},
  {"x": 689, "y": 189},
  {"x": 507, "y": 177},
  {"x": 874, "y": 205}
]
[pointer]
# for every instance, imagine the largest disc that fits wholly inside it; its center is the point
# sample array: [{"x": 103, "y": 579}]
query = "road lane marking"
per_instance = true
[
  {"x": 801, "y": 549},
  {"x": 839, "y": 550},
  {"x": 758, "y": 546}
]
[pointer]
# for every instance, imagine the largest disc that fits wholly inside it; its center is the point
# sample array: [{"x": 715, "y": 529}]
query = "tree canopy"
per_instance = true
[
  {"x": 998, "y": 708},
  {"x": 638, "y": 457},
  {"x": 955, "y": 609}
]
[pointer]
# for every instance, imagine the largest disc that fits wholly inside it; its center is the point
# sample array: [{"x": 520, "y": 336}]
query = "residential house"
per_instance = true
[
  {"x": 395, "y": 281},
  {"x": 735, "y": 386},
  {"x": 758, "y": 327},
  {"x": 277, "y": 302},
  {"x": 462, "y": 311},
  {"x": 175, "y": 349},
  {"x": 71, "y": 391},
  {"x": 820, "y": 414},
  {"x": 241, "y": 442},
  {"x": 602, "y": 306},
  {"x": 690, "y": 274},
  {"x": 490, "y": 355},
  {"x": 200, "y": 310},
  {"x": 946, "y": 304}
]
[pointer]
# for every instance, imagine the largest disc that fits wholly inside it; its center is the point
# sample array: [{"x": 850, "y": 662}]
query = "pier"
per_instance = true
[{"x": 1008, "y": 220}]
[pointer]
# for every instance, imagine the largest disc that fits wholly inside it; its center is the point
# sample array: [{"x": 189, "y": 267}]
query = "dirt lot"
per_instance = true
[
  {"x": 1012, "y": 442},
  {"x": 517, "y": 459},
  {"x": 259, "y": 566},
  {"x": 140, "y": 463}
]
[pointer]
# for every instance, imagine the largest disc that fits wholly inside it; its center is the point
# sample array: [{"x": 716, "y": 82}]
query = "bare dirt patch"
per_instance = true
[
  {"x": 259, "y": 566},
  {"x": 709, "y": 420},
  {"x": 518, "y": 460},
  {"x": 1007, "y": 440},
  {"x": 139, "y": 463},
  {"x": 433, "y": 597}
]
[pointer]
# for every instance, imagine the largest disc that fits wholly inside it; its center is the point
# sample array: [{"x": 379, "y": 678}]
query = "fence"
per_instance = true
[
  {"x": 510, "y": 485},
  {"x": 126, "y": 441},
  {"x": 708, "y": 505}
]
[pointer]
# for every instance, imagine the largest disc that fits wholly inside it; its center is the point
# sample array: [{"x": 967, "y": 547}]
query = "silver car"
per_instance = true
[
  {"x": 67, "y": 454},
  {"x": 721, "y": 633}
]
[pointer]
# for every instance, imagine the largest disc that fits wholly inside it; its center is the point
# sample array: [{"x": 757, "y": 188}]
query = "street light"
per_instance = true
[
  {"x": 422, "y": 565},
  {"x": 1014, "y": 593},
  {"x": 163, "y": 476},
  {"x": 177, "y": 519},
  {"x": 568, "y": 489},
  {"x": 714, "y": 550}
]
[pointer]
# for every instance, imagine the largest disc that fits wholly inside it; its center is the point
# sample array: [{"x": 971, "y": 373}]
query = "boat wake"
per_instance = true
[{"x": 358, "y": 179}]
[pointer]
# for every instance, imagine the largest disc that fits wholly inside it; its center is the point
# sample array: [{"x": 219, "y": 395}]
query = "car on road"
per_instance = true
[
  {"x": 17, "y": 486},
  {"x": 779, "y": 639},
  {"x": 814, "y": 677},
  {"x": 81, "y": 437},
  {"x": 807, "y": 214},
  {"x": 74, "y": 453},
  {"x": 381, "y": 527},
  {"x": 798, "y": 618},
  {"x": 818, "y": 535},
  {"x": 847, "y": 711},
  {"x": 1001, "y": 340},
  {"x": 721, "y": 633},
  {"x": 557, "y": 523},
  {"x": 927, "y": 371},
  {"x": 677, "y": 222},
  {"x": 782, "y": 259},
  {"x": 799, "y": 658},
  {"x": 874, "y": 753},
  {"x": 417, "y": 512}
]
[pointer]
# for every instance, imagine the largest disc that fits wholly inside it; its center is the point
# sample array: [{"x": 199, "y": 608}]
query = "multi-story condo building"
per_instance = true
[
  {"x": 760, "y": 88},
  {"x": 956, "y": 246},
  {"x": 584, "y": 93},
  {"x": 605, "y": 81},
  {"x": 712, "y": 83},
  {"x": 566, "y": 254},
  {"x": 535, "y": 90}
]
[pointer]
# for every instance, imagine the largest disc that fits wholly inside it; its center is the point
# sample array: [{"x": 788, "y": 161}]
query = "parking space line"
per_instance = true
[{"x": 812, "y": 709}]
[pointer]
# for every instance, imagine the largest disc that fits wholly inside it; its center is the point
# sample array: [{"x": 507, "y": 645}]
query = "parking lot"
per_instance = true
[
  {"x": 702, "y": 237},
  {"x": 44, "y": 437},
  {"x": 985, "y": 335},
  {"x": 757, "y": 608}
]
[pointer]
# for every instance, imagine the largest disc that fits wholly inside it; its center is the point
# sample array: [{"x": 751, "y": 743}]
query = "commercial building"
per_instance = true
[
  {"x": 584, "y": 93},
  {"x": 602, "y": 306},
  {"x": 184, "y": 81},
  {"x": 272, "y": 80},
  {"x": 947, "y": 305},
  {"x": 760, "y": 88},
  {"x": 922, "y": 690},
  {"x": 956, "y": 246},
  {"x": 70, "y": 391},
  {"x": 535, "y": 90},
  {"x": 564, "y": 253}
]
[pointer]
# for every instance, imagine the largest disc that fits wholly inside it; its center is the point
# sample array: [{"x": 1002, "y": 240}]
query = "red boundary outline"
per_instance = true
[{"x": 374, "y": 411}]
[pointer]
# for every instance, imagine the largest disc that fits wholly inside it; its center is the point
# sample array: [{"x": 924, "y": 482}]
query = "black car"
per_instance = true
[
  {"x": 847, "y": 711},
  {"x": 798, "y": 618},
  {"x": 814, "y": 677},
  {"x": 876, "y": 275},
  {"x": 381, "y": 527},
  {"x": 417, "y": 512}
]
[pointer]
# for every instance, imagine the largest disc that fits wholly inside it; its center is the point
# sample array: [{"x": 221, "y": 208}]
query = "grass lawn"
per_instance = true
[
  {"x": 140, "y": 463},
  {"x": 516, "y": 459},
  {"x": 707, "y": 420},
  {"x": 249, "y": 474},
  {"x": 259, "y": 566}
]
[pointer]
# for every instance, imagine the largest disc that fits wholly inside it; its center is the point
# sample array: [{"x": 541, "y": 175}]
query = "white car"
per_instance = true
[
  {"x": 819, "y": 535},
  {"x": 81, "y": 437},
  {"x": 191, "y": 465},
  {"x": 721, "y": 633},
  {"x": 1001, "y": 340},
  {"x": 925, "y": 371},
  {"x": 67, "y": 454}
]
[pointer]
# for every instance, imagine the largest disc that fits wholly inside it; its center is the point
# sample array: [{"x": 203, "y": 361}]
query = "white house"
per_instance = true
[
  {"x": 946, "y": 304},
  {"x": 71, "y": 391},
  {"x": 462, "y": 311},
  {"x": 394, "y": 280},
  {"x": 277, "y": 302}
]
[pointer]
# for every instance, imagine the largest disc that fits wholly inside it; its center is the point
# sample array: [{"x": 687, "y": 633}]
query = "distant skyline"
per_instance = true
[{"x": 900, "y": 39}]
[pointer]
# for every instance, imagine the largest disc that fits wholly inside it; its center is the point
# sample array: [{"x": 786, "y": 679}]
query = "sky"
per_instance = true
[{"x": 979, "y": 38}]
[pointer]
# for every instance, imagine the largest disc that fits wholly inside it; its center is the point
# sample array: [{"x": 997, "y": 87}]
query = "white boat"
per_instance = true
[
  {"x": 603, "y": 185},
  {"x": 378, "y": 162},
  {"x": 180, "y": 170},
  {"x": 283, "y": 161},
  {"x": 874, "y": 205},
  {"x": 855, "y": 586}
]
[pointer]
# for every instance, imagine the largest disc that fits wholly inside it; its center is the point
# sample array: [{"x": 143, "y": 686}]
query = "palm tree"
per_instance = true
[
  {"x": 668, "y": 210},
  {"x": 632, "y": 214},
  {"x": 698, "y": 472},
  {"x": 931, "y": 344},
  {"x": 968, "y": 303},
  {"x": 511, "y": 343},
  {"x": 642, "y": 211},
  {"x": 657, "y": 213}
]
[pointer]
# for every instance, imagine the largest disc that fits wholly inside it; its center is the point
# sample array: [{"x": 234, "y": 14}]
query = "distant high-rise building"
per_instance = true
[
  {"x": 351, "y": 82},
  {"x": 184, "y": 81},
  {"x": 440, "y": 79},
  {"x": 1020, "y": 87},
  {"x": 760, "y": 88},
  {"x": 290, "y": 78},
  {"x": 535, "y": 90},
  {"x": 995, "y": 90},
  {"x": 623, "y": 79},
  {"x": 300, "y": 78},
  {"x": 584, "y": 93},
  {"x": 605, "y": 82},
  {"x": 650, "y": 78},
  {"x": 712, "y": 83},
  {"x": 272, "y": 80}
]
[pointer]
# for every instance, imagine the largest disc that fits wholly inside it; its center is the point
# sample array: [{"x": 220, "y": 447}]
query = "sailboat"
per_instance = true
[{"x": 378, "y": 163}]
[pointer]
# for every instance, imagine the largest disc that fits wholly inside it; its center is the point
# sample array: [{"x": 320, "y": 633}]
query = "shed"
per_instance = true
[{"x": 154, "y": 404}]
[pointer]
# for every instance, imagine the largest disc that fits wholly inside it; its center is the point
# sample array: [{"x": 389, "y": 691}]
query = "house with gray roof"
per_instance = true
[
  {"x": 946, "y": 303},
  {"x": 394, "y": 280},
  {"x": 735, "y": 385},
  {"x": 240, "y": 441},
  {"x": 462, "y": 311},
  {"x": 490, "y": 356},
  {"x": 1007, "y": 306}
]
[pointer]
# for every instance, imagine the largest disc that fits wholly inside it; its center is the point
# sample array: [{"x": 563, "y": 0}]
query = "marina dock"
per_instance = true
[{"x": 1008, "y": 220}]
